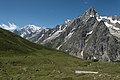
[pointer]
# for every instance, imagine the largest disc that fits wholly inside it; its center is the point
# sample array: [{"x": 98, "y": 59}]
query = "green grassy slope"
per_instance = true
[
  {"x": 40, "y": 63},
  {"x": 12, "y": 43},
  {"x": 54, "y": 65}
]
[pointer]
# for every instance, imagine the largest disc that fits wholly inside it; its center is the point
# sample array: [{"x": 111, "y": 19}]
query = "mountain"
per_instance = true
[
  {"x": 29, "y": 31},
  {"x": 89, "y": 36},
  {"x": 10, "y": 26}
]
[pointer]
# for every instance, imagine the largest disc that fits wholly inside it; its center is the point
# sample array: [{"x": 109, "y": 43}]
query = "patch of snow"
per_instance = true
[
  {"x": 115, "y": 28},
  {"x": 67, "y": 21},
  {"x": 116, "y": 21},
  {"x": 69, "y": 35},
  {"x": 89, "y": 33},
  {"x": 46, "y": 30},
  {"x": 92, "y": 16},
  {"x": 55, "y": 35},
  {"x": 59, "y": 47},
  {"x": 73, "y": 29},
  {"x": 108, "y": 18},
  {"x": 66, "y": 50},
  {"x": 81, "y": 53},
  {"x": 110, "y": 26},
  {"x": 51, "y": 33},
  {"x": 94, "y": 57},
  {"x": 28, "y": 32},
  {"x": 33, "y": 35},
  {"x": 60, "y": 27},
  {"x": 39, "y": 38},
  {"x": 22, "y": 35},
  {"x": 105, "y": 17},
  {"x": 99, "y": 19},
  {"x": 113, "y": 21},
  {"x": 85, "y": 72}
]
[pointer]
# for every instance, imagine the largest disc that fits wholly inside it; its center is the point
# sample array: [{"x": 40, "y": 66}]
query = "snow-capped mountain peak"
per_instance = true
[
  {"x": 10, "y": 26},
  {"x": 32, "y": 28},
  {"x": 28, "y": 31},
  {"x": 67, "y": 21}
]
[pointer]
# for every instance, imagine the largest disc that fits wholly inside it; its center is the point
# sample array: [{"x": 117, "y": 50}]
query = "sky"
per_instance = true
[{"x": 48, "y": 13}]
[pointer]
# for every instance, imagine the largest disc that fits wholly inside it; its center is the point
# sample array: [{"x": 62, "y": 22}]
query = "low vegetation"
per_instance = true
[
  {"x": 28, "y": 61},
  {"x": 54, "y": 65}
]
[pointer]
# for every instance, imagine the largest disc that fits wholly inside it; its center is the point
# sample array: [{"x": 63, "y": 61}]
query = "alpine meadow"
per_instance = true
[{"x": 46, "y": 40}]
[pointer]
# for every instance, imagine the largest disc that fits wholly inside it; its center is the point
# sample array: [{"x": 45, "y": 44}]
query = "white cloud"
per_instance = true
[{"x": 10, "y": 26}]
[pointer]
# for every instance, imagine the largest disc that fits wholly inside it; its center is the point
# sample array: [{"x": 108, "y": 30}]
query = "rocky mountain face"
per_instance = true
[{"x": 89, "y": 36}]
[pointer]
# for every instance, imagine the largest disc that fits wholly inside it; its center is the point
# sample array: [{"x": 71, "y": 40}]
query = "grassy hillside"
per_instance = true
[
  {"x": 23, "y": 60},
  {"x": 12, "y": 43},
  {"x": 53, "y": 65}
]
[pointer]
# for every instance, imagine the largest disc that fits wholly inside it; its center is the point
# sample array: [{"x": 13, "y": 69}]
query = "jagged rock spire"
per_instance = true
[{"x": 91, "y": 11}]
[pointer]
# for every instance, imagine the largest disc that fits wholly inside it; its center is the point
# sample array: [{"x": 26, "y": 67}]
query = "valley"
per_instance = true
[{"x": 86, "y": 47}]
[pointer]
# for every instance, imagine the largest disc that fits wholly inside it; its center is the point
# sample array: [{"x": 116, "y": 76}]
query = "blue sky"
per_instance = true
[{"x": 49, "y": 13}]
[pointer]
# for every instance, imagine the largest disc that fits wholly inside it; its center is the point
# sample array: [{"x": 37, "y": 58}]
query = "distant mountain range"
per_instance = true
[{"x": 89, "y": 36}]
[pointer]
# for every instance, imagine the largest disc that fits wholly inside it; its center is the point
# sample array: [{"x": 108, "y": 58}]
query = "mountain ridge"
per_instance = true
[{"x": 73, "y": 36}]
